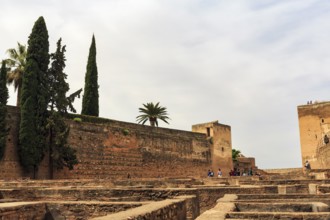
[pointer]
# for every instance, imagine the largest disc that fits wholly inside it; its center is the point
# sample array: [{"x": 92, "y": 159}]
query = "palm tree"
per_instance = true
[
  {"x": 16, "y": 63},
  {"x": 152, "y": 113}
]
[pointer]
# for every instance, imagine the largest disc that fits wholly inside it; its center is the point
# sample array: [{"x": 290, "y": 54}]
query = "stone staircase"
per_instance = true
[
  {"x": 299, "y": 199},
  {"x": 231, "y": 198}
]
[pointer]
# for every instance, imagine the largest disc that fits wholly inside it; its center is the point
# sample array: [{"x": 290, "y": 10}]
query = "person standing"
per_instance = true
[{"x": 219, "y": 173}]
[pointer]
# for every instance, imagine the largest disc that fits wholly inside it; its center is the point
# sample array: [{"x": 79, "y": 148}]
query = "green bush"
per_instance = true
[
  {"x": 77, "y": 119},
  {"x": 89, "y": 119},
  {"x": 125, "y": 132}
]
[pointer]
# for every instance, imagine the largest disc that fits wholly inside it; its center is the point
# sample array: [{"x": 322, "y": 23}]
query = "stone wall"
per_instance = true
[
  {"x": 220, "y": 137},
  {"x": 23, "y": 210},
  {"x": 209, "y": 196},
  {"x": 284, "y": 171},
  {"x": 206, "y": 197},
  {"x": 169, "y": 209},
  {"x": 85, "y": 209},
  {"x": 245, "y": 164},
  {"x": 314, "y": 124},
  {"x": 9, "y": 165},
  {"x": 114, "y": 149}
]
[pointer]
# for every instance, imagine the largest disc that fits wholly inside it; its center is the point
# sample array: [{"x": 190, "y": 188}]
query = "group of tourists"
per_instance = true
[
  {"x": 237, "y": 172},
  {"x": 234, "y": 172},
  {"x": 210, "y": 173}
]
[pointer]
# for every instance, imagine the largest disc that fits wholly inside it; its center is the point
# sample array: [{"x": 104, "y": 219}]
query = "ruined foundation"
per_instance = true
[{"x": 179, "y": 199}]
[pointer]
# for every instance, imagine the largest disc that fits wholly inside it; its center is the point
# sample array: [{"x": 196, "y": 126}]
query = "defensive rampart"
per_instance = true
[
  {"x": 111, "y": 149},
  {"x": 314, "y": 127}
]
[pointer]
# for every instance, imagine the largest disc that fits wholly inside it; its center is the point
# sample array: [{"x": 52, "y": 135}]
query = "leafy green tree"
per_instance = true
[
  {"x": 16, "y": 63},
  {"x": 3, "y": 109},
  {"x": 235, "y": 154},
  {"x": 152, "y": 113},
  {"x": 32, "y": 133},
  {"x": 60, "y": 153},
  {"x": 90, "y": 103}
]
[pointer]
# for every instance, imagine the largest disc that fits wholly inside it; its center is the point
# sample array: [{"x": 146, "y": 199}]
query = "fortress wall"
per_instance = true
[
  {"x": 314, "y": 123},
  {"x": 222, "y": 148},
  {"x": 107, "y": 150},
  {"x": 284, "y": 171},
  {"x": 220, "y": 136},
  {"x": 113, "y": 149},
  {"x": 10, "y": 167}
]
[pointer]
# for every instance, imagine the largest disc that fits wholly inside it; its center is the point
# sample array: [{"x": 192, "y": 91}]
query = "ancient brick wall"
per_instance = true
[
  {"x": 9, "y": 165},
  {"x": 23, "y": 210},
  {"x": 114, "y": 149},
  {"x": 285, "y": 171},
  {"x": 220, "y": 137},
  {"x": 245, "y": 164},
  {"x": 314, "y": 124},
  {"x": 171, "y": 209},
  {"x": 85, "y": 210}
]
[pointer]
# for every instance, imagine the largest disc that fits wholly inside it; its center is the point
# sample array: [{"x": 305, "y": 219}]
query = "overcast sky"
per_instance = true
[{"x": 248, "y": 64}]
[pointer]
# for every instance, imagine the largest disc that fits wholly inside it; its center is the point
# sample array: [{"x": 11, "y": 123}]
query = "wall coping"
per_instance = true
[{"x": 144, "y": 209}]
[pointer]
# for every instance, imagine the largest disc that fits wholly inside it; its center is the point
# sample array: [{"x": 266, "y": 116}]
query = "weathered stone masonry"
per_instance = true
[
  {"x": 221, "y": 149},
  {"x": 118, "y": 148},
  {"x": 314, "y": 124},
  {"x": 114, "y": 149}
]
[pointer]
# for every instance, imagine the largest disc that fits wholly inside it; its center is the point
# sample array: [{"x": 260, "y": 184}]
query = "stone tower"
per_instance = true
[
  {"x": 220, "y": 137},
  {"x": 314, "y": 127}
]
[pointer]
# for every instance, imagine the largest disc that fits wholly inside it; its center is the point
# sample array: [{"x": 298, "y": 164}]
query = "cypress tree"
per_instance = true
[
  {"x": 60, "y": 153},
  {"x": 3, "y": 108},
  {"x": 32, "y": 133},
  {"x": 57, "y": 87},
  {"x": 90, "y": 104}
]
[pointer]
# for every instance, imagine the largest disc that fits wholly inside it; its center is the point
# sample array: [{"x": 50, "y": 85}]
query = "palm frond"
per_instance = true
[
  {"x": 152, "y": 112},
  {"x": 16, "y": 63}
]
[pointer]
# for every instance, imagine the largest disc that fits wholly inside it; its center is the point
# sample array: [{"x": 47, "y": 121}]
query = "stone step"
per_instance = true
[
  {"x": 271, "y": 201},
  {"x": 278, "y": 215},
  {"x": 279, "y": 196},
  {"x": 281, "y": 207}
]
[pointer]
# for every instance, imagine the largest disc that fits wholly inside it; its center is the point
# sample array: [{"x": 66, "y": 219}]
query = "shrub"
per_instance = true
[
  {"x": 77, "y": 119},
  {"x": 125, "y": 132}
]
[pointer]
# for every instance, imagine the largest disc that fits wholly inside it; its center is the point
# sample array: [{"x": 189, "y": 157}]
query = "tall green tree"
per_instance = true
[
  {"x": 152, "y": 113},
  {"x": 3, "y": 108},
  {"x": 16, "y": 63},
  {"x": 60, "y": 153},
  {"x": 235, "y": 154},
  {"x": 32, "y": 133},
  {"x": 90, "y": 103}
]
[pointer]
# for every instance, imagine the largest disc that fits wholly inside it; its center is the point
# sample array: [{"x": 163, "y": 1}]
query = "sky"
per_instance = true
[{"x": 247, "y": 64}]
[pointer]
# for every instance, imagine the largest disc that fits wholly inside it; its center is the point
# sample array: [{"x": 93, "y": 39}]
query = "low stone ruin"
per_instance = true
[{"x": 210, "y": 198}]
